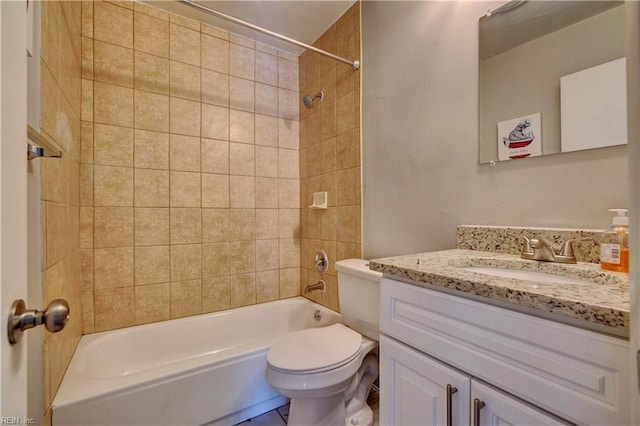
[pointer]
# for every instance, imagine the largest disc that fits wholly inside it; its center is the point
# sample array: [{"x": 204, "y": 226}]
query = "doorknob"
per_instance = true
[{"x": 54, "y": 318}]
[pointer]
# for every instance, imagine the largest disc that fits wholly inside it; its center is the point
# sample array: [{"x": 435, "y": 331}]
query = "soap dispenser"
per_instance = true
[{"x": 614, "y": 249}]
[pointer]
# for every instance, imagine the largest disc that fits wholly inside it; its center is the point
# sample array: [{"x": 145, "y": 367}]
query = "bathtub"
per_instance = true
[{"x": 206, "y": 369}]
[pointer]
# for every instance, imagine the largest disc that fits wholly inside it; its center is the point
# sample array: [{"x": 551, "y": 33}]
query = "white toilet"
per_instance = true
[{"x": 328, "y": 371}]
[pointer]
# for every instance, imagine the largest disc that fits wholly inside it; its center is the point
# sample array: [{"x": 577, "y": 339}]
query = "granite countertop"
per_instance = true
[{"x": 604, "y": 303}]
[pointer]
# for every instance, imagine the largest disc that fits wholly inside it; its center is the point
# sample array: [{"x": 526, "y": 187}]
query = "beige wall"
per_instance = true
[
  {"x": 420, "y": 131},
  {"x": 190, "y": 187},
  {"x": 330, "y": 154},
  {"x": 60, "y": 121}
]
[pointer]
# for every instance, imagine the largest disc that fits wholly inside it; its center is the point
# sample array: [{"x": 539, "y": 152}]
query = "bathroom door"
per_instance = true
[{"x": 13, "y": 203}]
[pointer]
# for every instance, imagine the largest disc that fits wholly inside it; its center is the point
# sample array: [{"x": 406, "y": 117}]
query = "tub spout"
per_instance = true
[{"x": 320, "y": 285}]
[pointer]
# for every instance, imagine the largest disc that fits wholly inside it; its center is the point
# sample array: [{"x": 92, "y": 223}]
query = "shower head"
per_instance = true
[{"x": 308, "y": 100}]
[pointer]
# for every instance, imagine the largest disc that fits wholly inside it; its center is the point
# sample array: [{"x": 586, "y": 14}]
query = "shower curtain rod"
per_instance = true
[{"x": 354, "y": 64}]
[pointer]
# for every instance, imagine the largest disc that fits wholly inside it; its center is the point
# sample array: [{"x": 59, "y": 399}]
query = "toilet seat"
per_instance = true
[{"x": 315, "y": 350}]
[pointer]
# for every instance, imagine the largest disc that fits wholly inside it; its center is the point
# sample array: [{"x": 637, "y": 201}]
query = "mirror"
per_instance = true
[{"x": 552, "y": 78}]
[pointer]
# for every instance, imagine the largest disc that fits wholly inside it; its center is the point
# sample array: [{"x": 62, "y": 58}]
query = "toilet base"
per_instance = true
[
  {"x": 329, "y": 411},
  {"x": 364, "y": 417}
]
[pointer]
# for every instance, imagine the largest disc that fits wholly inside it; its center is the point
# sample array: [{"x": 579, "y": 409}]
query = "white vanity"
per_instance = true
[{"x": 464, "y": 348}]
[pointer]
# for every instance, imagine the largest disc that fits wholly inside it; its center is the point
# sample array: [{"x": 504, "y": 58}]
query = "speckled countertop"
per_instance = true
[{"x": 605, "y": 302}]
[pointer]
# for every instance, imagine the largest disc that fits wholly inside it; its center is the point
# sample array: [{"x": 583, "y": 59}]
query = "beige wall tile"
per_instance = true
[
  {"x": 215, "y": 225},
  {"x": 151, "y": 150},
  {"x": 289, "y": 249},
  {"x": 266, "y": 68},
  {"x": 152, "y": 111},
  {"x": 186, "y": 298},
  {"x": 113, "y": 267},
  {"x": 185, "y": 117},
  {"x": 242, "y": 94},
  {"x": 113, "y": 24},
  {"x": 151, "y": 188},
  {"x": 186, "y": 262},
  {"x": 86, "y": 227},
  {"x": 266, "y": 193},
  {"x": 215, "y": 156},
  {"x": 50, "y": 102},
  {"x": 215, "y": 88},
  {"x": 151, "y": 11},
  {"x": 243, "y": 290},
  {"x": 266, "y": 161},
  {"x": 87, "y": 18},
  {"x": 345, "y": 151},
  {"x": 266, "y": 99},
  {"x": 345, "y": 251},
  {"x": 113, "y": 186},
  {"x": 184, "y": 153},
  {"x": 214, "y": 31},
  {"x": 329, "y": 160},
  {"x": 215, "y": 294},
  {"x": 288, "y": 103},
  {"x": 346, "y": 224},
  {"x": 113, "y": 227},
  {"x": 185, "y": 189},
  {"x": 113, "y": 145},
  {"x": 289, "y": 220},
  {"x": 313, "y": 133},
  {"x": 152, "y": 226},
  {"x": 242, "y": 256},
  {"x": 86, "y": 185},
  {"x": 215, "y": 122},
  {"x": 345, "y": 80},
  {"x": 215, "y": 190},
  {"x": 288, "y": 74},
  {"x": 265, "y": 48},
  {"x": 345, "y": 118},
  {"x": 266, "y": 224},
  {"x": 267, "y": 286},
  {"x": 267, "y": 255},
  {"x": 242, "y": 225},
  {"x": 289, "y": 193},
  {"x": 329, "y": 224},
  {"x": 242, "y": 192},
  {"x": 87, "y": 315},
  {"x": 184, "y": 45},
  {"x": 62, "y": 230},
  {"x": 185, "y": 22},
  {"x": 241, "y": 159},
  {"x": 185, "y": 81},
  {"x": 112, "y": 105},
  {"x": 186, "y": 226},
  {"x": 151, "y": 35},
  {"x": 266, "y": 130},
  {"x": 86, "y": 269},
  {"x": 289, "y": 282},
  {"x": 243, "y": 41},
  {"x": 288, "y": 134},
  {"x": 151, "y": 73},
  {"x": 215, "y": 260},
  {"x": 241, "y": 61},
  {"x": 87, "y": 58},
  {"x": 288, "y": 166},
  {"x": 215, "y": 54},
  {"x": 86, "y": 142},
  {"x": 113, "y": 64},
  {"x": 152, "y": 265},
  {"x": 152, "y": 303},
  {"x": 114, "y": 308},
  {"x": 241, "y": 126},
  {"x": 346, "y": 187}
]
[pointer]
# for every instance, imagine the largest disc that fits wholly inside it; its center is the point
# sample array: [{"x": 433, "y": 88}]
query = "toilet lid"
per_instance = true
[{"x": 315, "y": 349}]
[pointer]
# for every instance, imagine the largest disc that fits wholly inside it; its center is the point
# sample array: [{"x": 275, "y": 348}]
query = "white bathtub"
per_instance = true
[{"x": 206, "y": 369}]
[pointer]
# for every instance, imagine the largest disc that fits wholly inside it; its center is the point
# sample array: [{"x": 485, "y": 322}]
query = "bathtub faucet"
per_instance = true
[{"x": 320, "y": 285}]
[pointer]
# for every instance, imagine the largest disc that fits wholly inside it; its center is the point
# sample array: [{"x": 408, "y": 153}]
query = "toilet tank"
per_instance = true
[{"x": 359, "y": 292}]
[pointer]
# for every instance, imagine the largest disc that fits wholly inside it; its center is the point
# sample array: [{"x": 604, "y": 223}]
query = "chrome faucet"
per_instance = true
[
  {"x": 541, "y": 250},
  {"x": 320, "y": 285}
]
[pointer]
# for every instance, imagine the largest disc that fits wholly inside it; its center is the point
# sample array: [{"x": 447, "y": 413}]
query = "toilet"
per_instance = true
[{"x": 327, "y": 372}]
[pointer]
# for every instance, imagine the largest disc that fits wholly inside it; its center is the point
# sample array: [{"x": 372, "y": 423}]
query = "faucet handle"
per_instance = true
[
  {"x": 567, "y": 247},
  {"x": 526, "y": 244}
]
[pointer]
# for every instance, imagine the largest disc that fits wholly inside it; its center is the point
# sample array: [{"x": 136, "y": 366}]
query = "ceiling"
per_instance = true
[{"x": 303, "y": 21}]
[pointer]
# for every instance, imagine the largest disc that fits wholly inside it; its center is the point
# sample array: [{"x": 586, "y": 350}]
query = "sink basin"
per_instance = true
[{"x": 540, "y": 277}]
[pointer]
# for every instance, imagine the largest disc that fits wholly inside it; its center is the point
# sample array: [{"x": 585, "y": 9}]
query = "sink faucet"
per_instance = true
[{"x": 541, "y": 250}]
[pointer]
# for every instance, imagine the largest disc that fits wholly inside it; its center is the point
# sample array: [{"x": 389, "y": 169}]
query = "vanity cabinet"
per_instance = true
[{"x": 526, "y": 370}]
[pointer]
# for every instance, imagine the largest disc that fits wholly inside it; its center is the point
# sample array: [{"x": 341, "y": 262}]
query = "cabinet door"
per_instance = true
[
  {"x": 497, "y": 408},
  {"x": 413, "y": 388}
]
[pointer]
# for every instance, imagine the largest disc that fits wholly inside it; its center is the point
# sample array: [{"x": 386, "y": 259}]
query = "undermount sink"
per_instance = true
[{"x": 540, "y": 277}]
